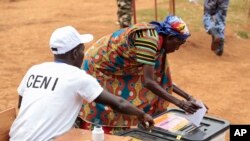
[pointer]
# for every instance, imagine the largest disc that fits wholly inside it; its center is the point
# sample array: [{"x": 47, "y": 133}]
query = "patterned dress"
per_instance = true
[{"x": 117, "y": 61}]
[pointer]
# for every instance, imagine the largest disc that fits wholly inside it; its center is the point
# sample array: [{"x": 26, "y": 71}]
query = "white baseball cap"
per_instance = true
[{"x": 66, "y": 38}]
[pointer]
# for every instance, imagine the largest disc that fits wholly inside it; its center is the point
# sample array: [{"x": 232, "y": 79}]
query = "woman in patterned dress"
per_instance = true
[{"x": 132, "y": 63}]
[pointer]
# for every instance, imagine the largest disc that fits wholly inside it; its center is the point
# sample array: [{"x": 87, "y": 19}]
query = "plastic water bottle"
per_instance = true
[{"x": 98, "y": 134}]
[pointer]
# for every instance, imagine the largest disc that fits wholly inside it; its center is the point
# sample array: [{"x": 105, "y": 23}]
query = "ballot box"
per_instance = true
[
  {"x": 172, "y": 124},
  {"x": 138, "y": 134}
]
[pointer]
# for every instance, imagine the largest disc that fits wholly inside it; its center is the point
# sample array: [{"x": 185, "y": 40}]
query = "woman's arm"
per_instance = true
[
  {"x": 181, "y": 93},
  {"x": 152, "y": 85}
]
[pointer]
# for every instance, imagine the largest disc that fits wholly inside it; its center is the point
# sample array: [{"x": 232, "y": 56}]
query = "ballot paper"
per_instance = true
[
  {"x": 197, "y": 117},
  {"x": 170, "y": 122},
  {"x": 135, "y": 139}
]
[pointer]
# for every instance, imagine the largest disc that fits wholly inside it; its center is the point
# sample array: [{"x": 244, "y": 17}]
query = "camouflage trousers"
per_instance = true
[
  {"x": 215, "y": 23},
  {"x": 124, "y": 12},
  {"x": 215, "y": 26}
]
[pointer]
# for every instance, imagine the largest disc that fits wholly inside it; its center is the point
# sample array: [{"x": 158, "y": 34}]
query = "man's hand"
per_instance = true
[{"x": 146, "y": 121}]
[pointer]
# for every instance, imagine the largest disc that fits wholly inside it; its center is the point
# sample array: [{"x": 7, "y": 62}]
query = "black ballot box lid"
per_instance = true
[
  {"x": 142, "y": 135},
  {"x": 210, "y": 127}
]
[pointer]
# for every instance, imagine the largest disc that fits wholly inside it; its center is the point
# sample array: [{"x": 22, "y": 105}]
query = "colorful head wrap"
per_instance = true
[{"x": 172, "y": 26}]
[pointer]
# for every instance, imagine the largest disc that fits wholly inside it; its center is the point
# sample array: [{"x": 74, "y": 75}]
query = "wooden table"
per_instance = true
[{"x": 86, "y": 135}]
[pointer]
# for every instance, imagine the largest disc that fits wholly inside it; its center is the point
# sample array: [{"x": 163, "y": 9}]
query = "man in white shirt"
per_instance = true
[{"x": 51, "y": 93}]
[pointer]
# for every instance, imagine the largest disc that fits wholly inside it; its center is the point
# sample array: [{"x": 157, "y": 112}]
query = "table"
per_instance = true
[{"x": 86, "y": 135}]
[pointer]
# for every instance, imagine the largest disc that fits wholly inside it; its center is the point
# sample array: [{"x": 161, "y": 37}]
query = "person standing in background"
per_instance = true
[
  {"x": 124, "y": 12},
  {"x": 214, "y": 20}
]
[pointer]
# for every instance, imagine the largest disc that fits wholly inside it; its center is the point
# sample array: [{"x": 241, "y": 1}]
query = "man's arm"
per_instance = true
[
  {"x": 152, "y": 85},
  {"x": 123, "y": 106},
  {"x": 19, "y": 101}
]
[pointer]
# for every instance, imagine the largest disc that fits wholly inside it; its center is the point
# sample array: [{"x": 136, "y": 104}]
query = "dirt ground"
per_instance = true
[{"x": 223, "y": 83}]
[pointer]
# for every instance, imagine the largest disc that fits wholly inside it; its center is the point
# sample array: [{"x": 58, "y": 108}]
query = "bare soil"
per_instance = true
[{"x": 223, "y": 83}]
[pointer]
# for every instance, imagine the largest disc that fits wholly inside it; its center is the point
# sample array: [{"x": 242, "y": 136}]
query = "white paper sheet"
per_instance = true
[{"x": 197, "y": 117}]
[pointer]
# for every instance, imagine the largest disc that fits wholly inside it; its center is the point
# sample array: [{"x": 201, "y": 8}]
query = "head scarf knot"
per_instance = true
[{"x": 172, "y": 26}]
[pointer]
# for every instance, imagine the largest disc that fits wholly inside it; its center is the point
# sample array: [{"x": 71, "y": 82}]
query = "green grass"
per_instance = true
[
  {"x": 243, "y": 34},
  {"x": 237, "y": 16}
]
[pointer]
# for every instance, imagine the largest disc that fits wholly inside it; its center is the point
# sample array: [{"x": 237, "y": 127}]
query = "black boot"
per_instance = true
[
  {"x": 217, "y": 42},
  {"x": 212, "y": 43},
  {"x": 219, "y": 49},
  {"x": 215, "y": 34}
]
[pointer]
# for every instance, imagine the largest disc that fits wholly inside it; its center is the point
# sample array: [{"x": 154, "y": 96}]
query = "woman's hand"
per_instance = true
[
  {"x": 191, "y": 98},
  {"x": 189, "y": 106}
]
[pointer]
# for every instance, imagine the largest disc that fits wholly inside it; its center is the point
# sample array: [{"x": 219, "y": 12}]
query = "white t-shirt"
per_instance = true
[{"x": 52, "y": 97}]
